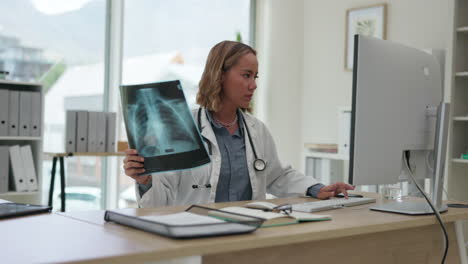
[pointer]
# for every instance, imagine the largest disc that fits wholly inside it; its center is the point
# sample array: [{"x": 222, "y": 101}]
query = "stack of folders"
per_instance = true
[
  {"x": 23, "y": 171},
  {"x": 20, "y": 113},
  {"x": 90, "y": 131}
]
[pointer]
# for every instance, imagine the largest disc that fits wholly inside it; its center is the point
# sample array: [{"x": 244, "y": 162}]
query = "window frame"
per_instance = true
[{"x": 115, "y": 15}]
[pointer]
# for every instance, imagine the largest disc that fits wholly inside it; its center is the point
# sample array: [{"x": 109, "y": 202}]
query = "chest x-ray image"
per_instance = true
[{"x": 161, "y": 128}]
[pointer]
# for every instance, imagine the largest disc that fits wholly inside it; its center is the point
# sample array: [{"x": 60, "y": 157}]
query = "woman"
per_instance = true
[{"x": 245, "y": 164}]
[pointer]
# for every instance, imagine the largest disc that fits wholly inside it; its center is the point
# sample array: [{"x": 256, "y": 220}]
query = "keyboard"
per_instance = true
[{"x": 330, "y": 204}]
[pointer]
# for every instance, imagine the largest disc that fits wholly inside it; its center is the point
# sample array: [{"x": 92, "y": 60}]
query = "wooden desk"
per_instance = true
[
  {"x": 355, "y": 235},
  {"x": 51, "y": 238}
]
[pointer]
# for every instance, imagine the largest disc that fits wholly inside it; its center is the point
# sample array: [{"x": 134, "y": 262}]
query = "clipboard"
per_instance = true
[{"x": 220, "y": 228}]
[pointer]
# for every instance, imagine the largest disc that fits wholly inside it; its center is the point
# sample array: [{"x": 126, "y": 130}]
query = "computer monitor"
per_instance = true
[{"x": 395, "y": 90}]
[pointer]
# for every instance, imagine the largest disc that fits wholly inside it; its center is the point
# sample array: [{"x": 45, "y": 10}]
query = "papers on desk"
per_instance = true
[
  {"x": 267, "y": 211},
  {"x": 192, "y": 223},
  {"x": 182, "y": 219}
]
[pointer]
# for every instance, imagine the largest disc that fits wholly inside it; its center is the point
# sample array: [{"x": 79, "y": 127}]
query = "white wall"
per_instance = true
[
  {"x": 417, "y": 23},
  {"x": 280, "y": 30},
  {"x": 301, "y": 52}
]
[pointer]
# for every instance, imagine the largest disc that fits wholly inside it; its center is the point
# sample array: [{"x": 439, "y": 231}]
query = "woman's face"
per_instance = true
[{"x": 239, "y": 82}]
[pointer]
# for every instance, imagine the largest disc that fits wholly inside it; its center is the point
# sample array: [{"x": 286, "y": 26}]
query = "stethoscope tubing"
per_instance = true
[{"x": 258, "y": 164}]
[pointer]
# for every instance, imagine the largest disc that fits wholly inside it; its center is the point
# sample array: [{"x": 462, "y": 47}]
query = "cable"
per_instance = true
[
  {"x": 436, "y": 212},
  {"x": 439, "y": 218},
  {"x": 458, "y": 204},
  {"x": 450, "y": 198}
]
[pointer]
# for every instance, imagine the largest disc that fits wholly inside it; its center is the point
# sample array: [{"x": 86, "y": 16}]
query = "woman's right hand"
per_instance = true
[{"x": 133, "y": 166}]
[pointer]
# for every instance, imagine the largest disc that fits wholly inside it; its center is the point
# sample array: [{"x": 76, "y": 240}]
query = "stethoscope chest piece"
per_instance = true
[{"x": 259, "y": 164}]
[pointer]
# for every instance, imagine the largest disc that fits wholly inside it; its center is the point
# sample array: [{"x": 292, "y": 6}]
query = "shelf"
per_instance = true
[
  {"x": 34, "y": 140},
  {"x": 460, "y": 160},
  {"x": 20, "y": 138},
  {"x": 462, "y": 29},
  {"x": 320, "y": 146},
  {"x": 324, "y": 155},
  {"x": 19, "y": 83},
  {"x": 462, "y": 74},
  {"x": 18, "y": 193},
  {"x": 460, "y": 118}
]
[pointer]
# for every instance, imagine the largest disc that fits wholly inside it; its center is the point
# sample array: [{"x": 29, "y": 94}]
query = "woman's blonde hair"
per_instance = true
[{"x": 221, "y": 58}]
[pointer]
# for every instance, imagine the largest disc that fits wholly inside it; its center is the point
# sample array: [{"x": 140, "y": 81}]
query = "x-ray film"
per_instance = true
[{"x": 161, "y": 128}]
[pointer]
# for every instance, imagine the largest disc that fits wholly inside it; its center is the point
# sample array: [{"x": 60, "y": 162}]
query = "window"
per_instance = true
[
  {"x": 170, "y": 40},
  {"x": 47, "y": 42},
  {"x": 62, "y": 45}
]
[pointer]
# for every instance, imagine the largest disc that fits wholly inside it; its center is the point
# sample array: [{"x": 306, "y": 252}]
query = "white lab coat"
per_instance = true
[{"x": 175, "y": 188}]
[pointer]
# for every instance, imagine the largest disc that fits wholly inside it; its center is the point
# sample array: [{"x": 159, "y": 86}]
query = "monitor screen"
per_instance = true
[{"x": 393, "y": 88}]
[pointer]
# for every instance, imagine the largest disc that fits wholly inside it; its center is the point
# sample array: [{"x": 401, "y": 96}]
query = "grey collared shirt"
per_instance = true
[
  {"x": 234, "y": 181},
  {"x": 314, "y": 189}
]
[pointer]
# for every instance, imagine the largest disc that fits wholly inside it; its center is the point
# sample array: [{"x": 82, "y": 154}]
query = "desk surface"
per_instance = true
[
  {"x": 345, "y": 222},
  {"x": 85, "y": 237}
]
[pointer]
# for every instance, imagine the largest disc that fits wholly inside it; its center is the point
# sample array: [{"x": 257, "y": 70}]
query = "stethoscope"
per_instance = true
[{"x": 258, "y": 164}]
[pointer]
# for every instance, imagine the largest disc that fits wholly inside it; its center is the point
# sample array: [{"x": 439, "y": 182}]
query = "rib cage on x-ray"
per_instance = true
[{"x": 164, "y": 126}]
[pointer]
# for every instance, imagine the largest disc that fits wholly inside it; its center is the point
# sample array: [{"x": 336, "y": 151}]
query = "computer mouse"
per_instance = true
[{"x": 340, "y": 195}]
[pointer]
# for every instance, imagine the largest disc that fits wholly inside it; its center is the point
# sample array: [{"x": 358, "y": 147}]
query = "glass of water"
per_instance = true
[{"x": 391, "y": 191}]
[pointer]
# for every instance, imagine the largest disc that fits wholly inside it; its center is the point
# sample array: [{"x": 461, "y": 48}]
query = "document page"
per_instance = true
[
  {"x": 253, "y": 212},
  {"x": 182, "y": 219}
]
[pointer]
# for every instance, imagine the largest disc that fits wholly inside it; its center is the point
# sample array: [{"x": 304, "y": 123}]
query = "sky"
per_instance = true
[
  {"x": 55, "y": 7},
  {"x": 75, "y": 29}
]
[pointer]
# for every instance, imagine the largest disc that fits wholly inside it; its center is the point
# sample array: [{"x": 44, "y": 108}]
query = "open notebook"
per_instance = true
[{"x": 263, "y": 210}]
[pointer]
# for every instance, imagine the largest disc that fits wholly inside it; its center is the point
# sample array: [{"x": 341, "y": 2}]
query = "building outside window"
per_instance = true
[
  {"x": 62, "y": 47},
  {"x": 170, "y": 40}
]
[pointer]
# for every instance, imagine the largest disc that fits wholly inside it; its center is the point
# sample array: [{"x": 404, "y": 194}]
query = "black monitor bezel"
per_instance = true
[{"x": 353, "y": 110}]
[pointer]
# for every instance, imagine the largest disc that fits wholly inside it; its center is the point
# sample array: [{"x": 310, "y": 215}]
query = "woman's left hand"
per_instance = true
[{"x": 333, "y": 190}]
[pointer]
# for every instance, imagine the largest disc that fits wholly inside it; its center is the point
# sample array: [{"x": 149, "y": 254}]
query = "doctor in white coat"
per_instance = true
[{"x": 244, "y": 161}]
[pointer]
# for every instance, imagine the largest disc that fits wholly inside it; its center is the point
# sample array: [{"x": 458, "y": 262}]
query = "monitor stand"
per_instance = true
[{"x": 421, "y": 207}]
